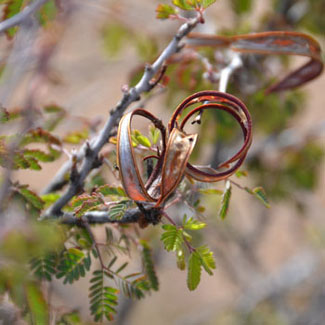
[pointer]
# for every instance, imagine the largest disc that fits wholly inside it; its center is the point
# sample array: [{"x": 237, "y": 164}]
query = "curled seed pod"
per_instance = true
[
  {"x": 211, "y": 99},
  {"x": 275, "y": 42},
  {"x": 177, "y": 147},
  {"x": 128, "y": 169}
]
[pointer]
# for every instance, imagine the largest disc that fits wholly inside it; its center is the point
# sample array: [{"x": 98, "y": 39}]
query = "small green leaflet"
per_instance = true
[
  {"x": 225, "y": 201},
  {"x": 30, "y": 197},
  {"x": 117, "y": 211},
  {"x": 44, "y": 266},
  {"x": 165, "y": 11},
  {"x": 192, "y": 224},
  {"x": 201, "y": 257},
  {"x": 172, "y": 238},
  {"x": 207, "y": 259},
  {"x": 73, "y": 265},
  {"x": 154, "y": 133},
  {"x": 259, "y": 193},
  {"x": 192, "y": 4},
  {"x": 149, "y": 265},
  {"x": 241, "y": 173},
  {"x": 139, "y": 138},
  {"x": 194, "y": 271},
  {"x": 109, "y": 190},
  {"x": 211, "y": 191},
  {"x": 103, "y": 299},
  {"x": 180, "y": 256}
]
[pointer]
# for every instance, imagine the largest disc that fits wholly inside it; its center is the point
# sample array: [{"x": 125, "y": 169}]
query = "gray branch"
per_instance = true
[
  {"x": 89, "y": 152},
  {"x": 100, "y": 217},
  {"x": 22, "y": 16}
]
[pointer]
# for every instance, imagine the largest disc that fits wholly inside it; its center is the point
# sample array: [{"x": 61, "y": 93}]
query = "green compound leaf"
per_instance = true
[
  {"x": 201, "y": 257},
  {"x": 194, "y": 271},
  {"x": 207, "y": 259},
  {"x": 107, "y": 190},
  {"x": 149, "y": 265},
  {"x": 165, "y": 11},
  {"x": 117, "y": 211},
  {"x": 30, "y": 196},
  {"x": 172, "y": 238},
  {"x": 207, "y": 3},
  {"x": 185, "y": 4},
  {"x": 39, "y": 155},
  {"x": 73, "y": 265},
  {"x": 192, "y": 224},
  {"x": 103, "y": 299},
  {"x": 40, "y": 135},
  {"x": 225, "y": 201},
  {"x": 259, "y": 193},
  {"x": 193, "y": 4},
  {"x": 44, "y": 267}
]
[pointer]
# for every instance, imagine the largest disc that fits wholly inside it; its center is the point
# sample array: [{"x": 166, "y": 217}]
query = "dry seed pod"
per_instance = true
[{"x": 276, "y": 42}]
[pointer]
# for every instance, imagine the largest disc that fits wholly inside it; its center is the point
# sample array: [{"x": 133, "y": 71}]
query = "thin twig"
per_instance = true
[
  {"x": 226, "y": 72},
  {"x": 90, "y": 155}
]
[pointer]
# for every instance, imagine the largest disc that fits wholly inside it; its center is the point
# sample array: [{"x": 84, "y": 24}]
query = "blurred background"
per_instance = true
[{"x": 270, "y": 262}]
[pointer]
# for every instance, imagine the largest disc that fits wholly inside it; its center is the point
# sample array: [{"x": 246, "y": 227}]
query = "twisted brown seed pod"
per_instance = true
[
  {"x": 172, "y": 162},
  {"x": 211, "y": 99},
  {"x": 275, "y": 42}
]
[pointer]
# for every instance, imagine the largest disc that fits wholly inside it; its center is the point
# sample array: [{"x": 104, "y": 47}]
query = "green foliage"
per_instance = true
[
  {"x": 165, "y": 11},
  {"x": 139, "y": 138},
  {"x": 259, "y": 193},
  {"x": 241, "y": 6},
  {"x": 30, "y": 196},
  {"x": 154, "y": 134},
  {"x": 117, "y": 211},
  {"x": 47, "y": 12},
  {"x": 210, "y": 191},
  {"x": 76, "y": 137},
  {"x": 172, "y": 238},
  {"x": 38, "y": 307},
  {"x": 44, "y": 267},
  {"x": 192, "y": 4},
  {"x": 201, "y": 257},
  {"x": 149, "y": 265},
  {"x": 134, "y": 286},
  {"x": 192, "y": 224},
  {"x": 114, "y": 37},
  {"x": 225, "y": 201},
  {"x": 107, "y": 190},
  {"x": 6, "y": 116},
  {"x": 73, "y": 264},
  {"x": 11, "y": 8},
  {"x": 103, "y": 299},
  {"x": 194, "y": 271}
]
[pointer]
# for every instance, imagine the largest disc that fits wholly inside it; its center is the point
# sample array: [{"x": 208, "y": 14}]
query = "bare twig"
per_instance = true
[
  {"x": 226, "y": 72},
  {"x": 22, "y": 16},
  {"x": 90, "y": 153}
]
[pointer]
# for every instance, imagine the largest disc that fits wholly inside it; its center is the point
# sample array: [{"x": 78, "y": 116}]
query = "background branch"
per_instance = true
[{"x": 22, "y": 16}]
